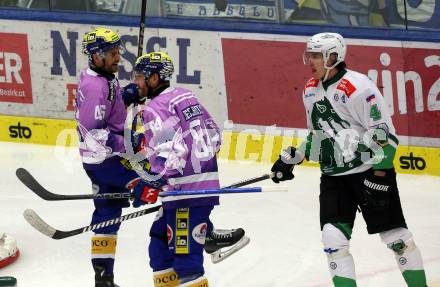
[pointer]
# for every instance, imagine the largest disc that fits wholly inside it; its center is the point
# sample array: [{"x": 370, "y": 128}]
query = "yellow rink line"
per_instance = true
[{"x": 236, "y": 146}]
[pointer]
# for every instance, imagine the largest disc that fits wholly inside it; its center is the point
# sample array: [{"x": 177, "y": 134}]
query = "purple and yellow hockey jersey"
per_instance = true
[
  {"x": 182, "y": 142},
  {"x": 100, "y": 115}
]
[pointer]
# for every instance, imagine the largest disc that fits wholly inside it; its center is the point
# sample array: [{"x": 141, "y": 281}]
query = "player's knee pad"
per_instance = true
[
  {"x": 104, "y": 245},
  {"x": 398, "y": 240},
  {"x": 165, "y": 278},
  {"x": 335, "y": 243},
  {"x": 198, "y": 282}
]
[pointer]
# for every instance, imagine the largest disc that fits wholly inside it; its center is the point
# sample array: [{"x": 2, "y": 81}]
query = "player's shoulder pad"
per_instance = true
[
  {"x": 93, "y": 83},
  {"x": 354, "y": 84}
]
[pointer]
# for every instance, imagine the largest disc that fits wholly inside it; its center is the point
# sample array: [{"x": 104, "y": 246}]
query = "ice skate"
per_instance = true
[
  {"x": 8, "y": 250},
  {"x": 222, "y": 243}
]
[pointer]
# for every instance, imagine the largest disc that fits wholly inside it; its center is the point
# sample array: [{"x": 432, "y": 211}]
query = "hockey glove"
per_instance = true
[
  {"x": 283, "y": 167},
  {"x": 146, "y": 192},
  {"x": 376, "y": 189},
  {"x": 130, "y": 95},
  {"x": 138, "y": 141}
]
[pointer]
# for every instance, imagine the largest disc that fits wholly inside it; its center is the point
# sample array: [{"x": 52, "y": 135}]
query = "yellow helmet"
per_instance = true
[
  {"x": 155, "y": 62},
  {"x": 99, "y": 41}
]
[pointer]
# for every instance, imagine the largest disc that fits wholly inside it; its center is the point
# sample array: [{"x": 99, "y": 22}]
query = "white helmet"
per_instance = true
[{"x": 327, "y": 44}]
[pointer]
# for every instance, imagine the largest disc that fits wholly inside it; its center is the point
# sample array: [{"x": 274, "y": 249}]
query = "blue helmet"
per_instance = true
[
  {"x": 99, "y": 41},
  {"x": 155, "y": 62}
]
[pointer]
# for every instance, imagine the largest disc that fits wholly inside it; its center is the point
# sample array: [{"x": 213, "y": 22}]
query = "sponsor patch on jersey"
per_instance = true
[
  {"x": 344, "y": 99},
  {"x": 309, "y": 95},
  {"x": 336, "y": 97},
  {"x": 371, "y": 97},
  {"x": 312, "y": 83},
  {"x": 346, "y": 87},
  {"x": 199, "y": 233}
]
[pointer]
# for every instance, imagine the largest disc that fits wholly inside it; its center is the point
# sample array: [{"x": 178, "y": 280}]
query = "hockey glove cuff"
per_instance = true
[{"x": 130, "y": 95}]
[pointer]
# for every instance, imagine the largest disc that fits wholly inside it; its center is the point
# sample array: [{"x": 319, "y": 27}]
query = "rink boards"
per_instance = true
[
  {"x": 249, "y": 82},
  {"x": 249, "y": 145}
]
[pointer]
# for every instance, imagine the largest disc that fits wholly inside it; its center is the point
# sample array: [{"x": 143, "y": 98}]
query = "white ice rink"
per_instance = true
[{"x": 285, "y": 248}]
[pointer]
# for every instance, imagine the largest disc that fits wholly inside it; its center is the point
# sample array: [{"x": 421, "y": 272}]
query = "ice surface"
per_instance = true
[{"x": 285, "y": 248}]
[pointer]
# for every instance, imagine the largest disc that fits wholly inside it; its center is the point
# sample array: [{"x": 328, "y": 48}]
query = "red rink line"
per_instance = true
[{"x": 382, "y": 271}]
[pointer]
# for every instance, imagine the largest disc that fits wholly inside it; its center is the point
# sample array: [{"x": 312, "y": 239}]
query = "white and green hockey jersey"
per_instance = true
[{"x": 350, "y": 125}]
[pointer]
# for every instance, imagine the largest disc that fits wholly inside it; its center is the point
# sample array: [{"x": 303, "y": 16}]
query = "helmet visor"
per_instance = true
[{"x": 309, "y": 57}]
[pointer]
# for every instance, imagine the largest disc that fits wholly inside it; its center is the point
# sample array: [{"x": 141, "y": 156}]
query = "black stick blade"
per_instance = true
[{"x": 27, "y": 179}]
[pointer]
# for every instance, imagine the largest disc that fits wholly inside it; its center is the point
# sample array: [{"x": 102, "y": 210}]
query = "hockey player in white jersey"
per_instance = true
[{"x": 354, "y": 140}]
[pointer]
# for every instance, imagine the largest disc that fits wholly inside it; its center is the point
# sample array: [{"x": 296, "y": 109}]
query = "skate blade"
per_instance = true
[{"x": 222, "y": 254}]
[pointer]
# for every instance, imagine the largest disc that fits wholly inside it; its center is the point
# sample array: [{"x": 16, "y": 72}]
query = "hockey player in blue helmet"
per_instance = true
[{"x": 177, "y": 259}]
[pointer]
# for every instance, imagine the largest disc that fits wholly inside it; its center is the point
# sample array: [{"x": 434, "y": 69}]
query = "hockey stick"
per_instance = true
[
  {"x": 39, "y": 224},
  {"x": 27, "y": 179},
  {"x": 142, "y": 28},
  {"x": 33, "y": 219}
]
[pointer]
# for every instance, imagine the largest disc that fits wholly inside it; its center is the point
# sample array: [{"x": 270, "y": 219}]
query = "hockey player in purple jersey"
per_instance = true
[
  {"x": 182, "y": 140},
  {"x": 100, "y": 115}
]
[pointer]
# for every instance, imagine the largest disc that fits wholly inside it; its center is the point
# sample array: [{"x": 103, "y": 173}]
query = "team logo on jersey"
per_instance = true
[
  {"x": 346, "y": 87},
  {"x": 199, "y": 233},
  {"x": 321, "y": 108}
]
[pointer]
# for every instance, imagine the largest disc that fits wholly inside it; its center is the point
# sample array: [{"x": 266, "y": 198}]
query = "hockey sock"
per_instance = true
[
  {"x": 340, "y": 261},
  {"x": 103, "y": 251},
  {"x": 408, "y": 257},
  {"x": 341, "y": 266},
  {"x": 166, "y": 278},
  {"x": 410, "y": 263}
]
